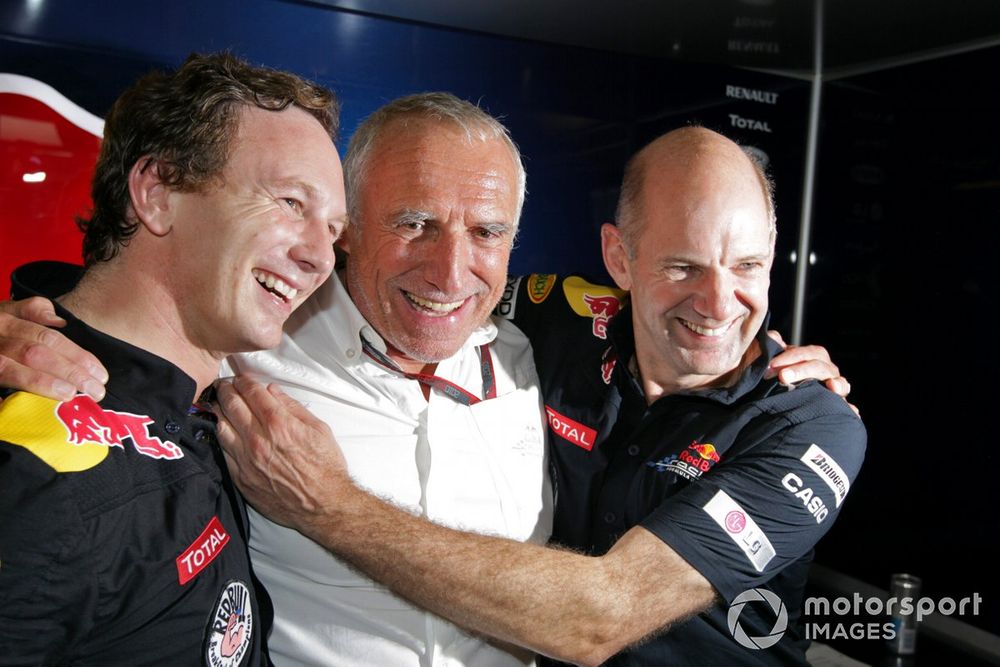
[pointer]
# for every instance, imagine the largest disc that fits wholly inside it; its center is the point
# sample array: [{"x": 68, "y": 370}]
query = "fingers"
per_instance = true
[
  {"x": 41, "y": 360},
  {"x": 235, "y": 473},
  {"x": 36, "y": 309},
  {"x": 840, "y": 386},
  {"x": 803, "y": 362},
  {"x": 236, "y": 420},
  {"x": 776, "y": 337},
  {"x": 292, "y": 406},
  {"x": 807, "y": 370}
]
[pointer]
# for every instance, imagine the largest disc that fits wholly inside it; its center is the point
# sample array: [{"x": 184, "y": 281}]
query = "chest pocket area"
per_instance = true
[{"x": 512, "y": 429}]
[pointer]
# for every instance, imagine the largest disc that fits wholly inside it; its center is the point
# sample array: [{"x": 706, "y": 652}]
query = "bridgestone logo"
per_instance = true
[{"x": 829, "y": 471}]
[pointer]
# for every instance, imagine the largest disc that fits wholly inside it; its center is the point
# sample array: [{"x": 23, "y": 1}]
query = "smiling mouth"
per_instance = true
[
  {"x": 275, "y": 285},
  {"x": 706, "y": 331},
  {"x": 435, "y": 307}
]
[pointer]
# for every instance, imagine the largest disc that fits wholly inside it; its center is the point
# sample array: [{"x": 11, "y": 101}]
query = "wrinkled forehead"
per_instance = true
[
  {"x": 441, "y": 160},
  {"x": 702, "y": 196}
]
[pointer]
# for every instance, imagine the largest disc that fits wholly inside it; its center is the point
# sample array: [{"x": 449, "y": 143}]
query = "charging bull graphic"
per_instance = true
[
  {"x": 76, "y": 435},
  {"x": 595, "y": 301}
]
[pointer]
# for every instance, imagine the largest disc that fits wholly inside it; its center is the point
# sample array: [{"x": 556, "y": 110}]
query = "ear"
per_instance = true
[
  {"x": 149, "y": 196},
  {"x": 616, "y": 259},
  {"x": 343, "y": 243}
]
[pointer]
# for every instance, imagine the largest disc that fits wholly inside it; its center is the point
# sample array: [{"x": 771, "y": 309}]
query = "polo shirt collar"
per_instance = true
[{"x": 622, "y": 337}]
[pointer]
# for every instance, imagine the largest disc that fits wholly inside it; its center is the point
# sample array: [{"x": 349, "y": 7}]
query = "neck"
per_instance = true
[
  {"x": 133, "y": 307},
  {"x": 656, "y": 385},
  {"x": 412, "y": 365}
]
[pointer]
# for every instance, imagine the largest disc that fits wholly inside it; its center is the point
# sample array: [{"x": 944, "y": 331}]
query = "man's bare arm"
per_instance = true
[
  {"x": 36, "y": 358},
  {"x": 562, "y": 604}
]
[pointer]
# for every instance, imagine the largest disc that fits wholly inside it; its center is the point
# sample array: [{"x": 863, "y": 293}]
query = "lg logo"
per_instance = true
[{"x": 757, "y": 595}]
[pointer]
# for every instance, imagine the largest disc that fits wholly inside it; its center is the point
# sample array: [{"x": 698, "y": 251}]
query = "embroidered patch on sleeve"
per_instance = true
[{"x": 741, "y": 528}]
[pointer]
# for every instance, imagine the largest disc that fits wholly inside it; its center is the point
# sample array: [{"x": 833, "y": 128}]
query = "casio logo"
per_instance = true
[{"x": 811, "y": 500}]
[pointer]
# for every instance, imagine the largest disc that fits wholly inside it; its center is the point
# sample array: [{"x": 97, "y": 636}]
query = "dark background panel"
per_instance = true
[{"x": 907, "y": 235}]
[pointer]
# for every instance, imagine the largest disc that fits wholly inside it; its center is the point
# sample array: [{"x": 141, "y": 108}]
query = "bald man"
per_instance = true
[{"x": 687, "y": 481}]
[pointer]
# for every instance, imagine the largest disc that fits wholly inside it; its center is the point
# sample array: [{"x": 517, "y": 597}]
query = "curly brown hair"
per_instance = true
[{"x": 182, "y": 124}]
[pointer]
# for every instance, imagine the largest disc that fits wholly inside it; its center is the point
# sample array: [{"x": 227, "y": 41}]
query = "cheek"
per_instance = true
[
  {"x": 754, "y": 294},
  {"x": 490, "y": 266}
]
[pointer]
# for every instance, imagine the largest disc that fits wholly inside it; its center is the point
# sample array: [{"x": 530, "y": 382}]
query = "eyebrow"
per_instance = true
[
  {"x": 308, "y": 189},
  {"x": 496, "y": 227},
  {"x": 412, "y": 215},
  {"x": 688, "y": 261}
]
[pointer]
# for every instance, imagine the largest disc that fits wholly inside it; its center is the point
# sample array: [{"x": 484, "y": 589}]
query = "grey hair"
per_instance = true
[
  {"x": 436, "y": 106},
  {"x": 766, "y": 184},
  {"x": 629, "y": 213}
]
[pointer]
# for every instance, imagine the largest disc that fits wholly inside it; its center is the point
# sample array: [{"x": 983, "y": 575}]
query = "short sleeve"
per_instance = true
[{"x": 766, "y": 507}]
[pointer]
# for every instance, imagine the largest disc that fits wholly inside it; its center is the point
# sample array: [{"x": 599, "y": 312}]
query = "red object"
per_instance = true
[
  {"x": 46, "y": 164},
  {"x": 202, "y": 551},
  {"x": 570, "y": 430},
  {"x": 86, "y": 421}
]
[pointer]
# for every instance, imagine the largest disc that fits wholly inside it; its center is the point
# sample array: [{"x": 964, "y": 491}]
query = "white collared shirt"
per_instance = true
[{"x": 479, "y": 468}]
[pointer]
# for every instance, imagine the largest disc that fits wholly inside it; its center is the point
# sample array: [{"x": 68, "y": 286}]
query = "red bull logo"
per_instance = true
[
  {"x": 603, "y": 308},
  {"x": 705, "y": 451},
  {"x": 607, "y": 368},
  {"x": 86, "y": 422},
  {"x": 700, "y": 456}
]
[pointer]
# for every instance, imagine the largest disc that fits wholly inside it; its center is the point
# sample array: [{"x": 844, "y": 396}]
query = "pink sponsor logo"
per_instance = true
[{"x": 736, "y": 522}]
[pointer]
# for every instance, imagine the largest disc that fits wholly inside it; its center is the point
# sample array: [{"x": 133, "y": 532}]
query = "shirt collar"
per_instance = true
[{"x": 163, "y": 385}]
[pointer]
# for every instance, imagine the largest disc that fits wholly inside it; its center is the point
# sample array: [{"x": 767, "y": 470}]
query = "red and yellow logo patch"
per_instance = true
[
  {"x": 596, "y": 301},
  {"x": 75, "y": 435}
]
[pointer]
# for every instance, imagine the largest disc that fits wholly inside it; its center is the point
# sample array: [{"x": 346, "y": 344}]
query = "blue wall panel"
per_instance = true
[{"x": 577, "y": 114}]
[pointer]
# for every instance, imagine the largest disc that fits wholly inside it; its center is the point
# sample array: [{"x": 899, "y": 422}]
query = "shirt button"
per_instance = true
[
  {"x": 350, "y": 353},
  {"x": 172, "y": 427},
  {"x": 633, "y": 450},
  {"x": 609, "y": 517}
]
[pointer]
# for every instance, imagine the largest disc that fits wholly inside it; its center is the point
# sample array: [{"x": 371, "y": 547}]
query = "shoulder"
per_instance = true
[
  {"x": 540, "y": 302},
  {"x": 50, "y": 430},
  {"x": 811, "y": 407},
  {"x": 817, "y": 427}
]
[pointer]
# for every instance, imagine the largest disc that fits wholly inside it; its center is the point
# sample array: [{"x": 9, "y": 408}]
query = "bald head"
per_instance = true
[
  {"x": 681, "y": 160},
  {"x": 694, "y": 245}
]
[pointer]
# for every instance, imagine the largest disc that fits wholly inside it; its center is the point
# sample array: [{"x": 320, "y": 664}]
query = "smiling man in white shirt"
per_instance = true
[{"x": 436, "y": 404}]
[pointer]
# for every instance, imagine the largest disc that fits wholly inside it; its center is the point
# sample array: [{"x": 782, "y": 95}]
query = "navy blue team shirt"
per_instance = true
[{"x": 740, "y": 481}]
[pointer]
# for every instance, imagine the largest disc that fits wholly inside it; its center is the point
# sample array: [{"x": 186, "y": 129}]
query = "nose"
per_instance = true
[
  {"x": 313, "y": 250},
  {"x": 446, "y": 266},
  {"x": 716, "y": 298}
]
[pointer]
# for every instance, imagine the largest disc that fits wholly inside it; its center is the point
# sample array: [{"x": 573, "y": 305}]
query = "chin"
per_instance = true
[{"x": 432, "y": 355}]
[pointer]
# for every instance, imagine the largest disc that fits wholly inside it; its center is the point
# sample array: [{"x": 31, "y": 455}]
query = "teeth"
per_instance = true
[
  {"x": 436, "y": 306},
  {"x": 275, "y": 284},
  {"x": 705, "y": 331}
]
